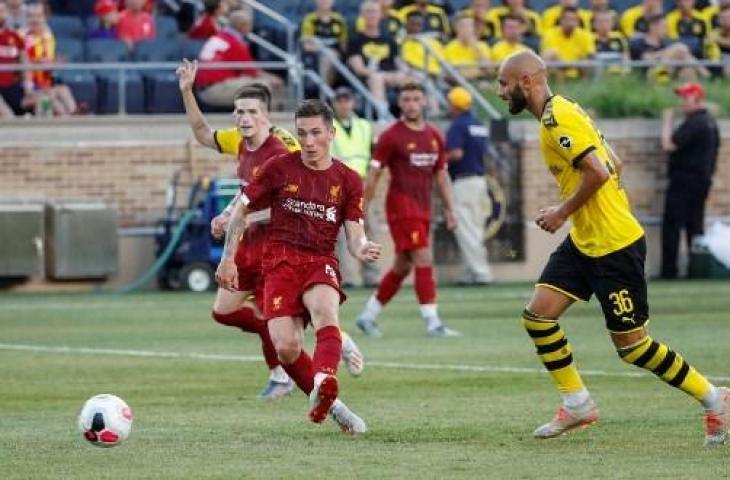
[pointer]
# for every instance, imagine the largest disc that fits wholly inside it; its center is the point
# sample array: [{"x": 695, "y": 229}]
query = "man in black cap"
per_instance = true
[{"x": 693, "y": 149}]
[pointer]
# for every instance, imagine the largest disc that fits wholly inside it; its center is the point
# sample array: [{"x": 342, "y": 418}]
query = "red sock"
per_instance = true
[
  {"x": 425, "y": 285},
  {"x": 302, "y": 372},
  {"x": 244, "y": 318},
  {"x": 267, "y": 346},
  {"x": 327, "y": 350},
  {"x": 389, "y": 286}
]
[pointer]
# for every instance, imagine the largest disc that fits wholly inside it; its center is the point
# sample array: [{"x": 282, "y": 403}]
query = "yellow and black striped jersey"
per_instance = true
[
  {"x": 228, "y": 140},
  {"x": 332, "y": 30},
  {"x": 604, "y": 223}
]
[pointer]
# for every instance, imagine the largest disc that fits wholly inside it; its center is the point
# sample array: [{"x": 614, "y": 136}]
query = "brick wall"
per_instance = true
[
  {"x": 132, "y": 175},
  {"x": 637, "y": 143}
]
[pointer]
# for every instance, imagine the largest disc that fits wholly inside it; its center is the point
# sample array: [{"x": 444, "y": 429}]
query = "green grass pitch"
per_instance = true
[{"x": 436, "y": 408}]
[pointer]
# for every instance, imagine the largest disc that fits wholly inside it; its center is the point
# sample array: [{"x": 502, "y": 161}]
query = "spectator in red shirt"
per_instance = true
[
  {"x": 135, "y": 24},
  {"x": 218, "y": 86},
  {"x": 210, "y": 23},
  {"x": 12, "y": 51}
]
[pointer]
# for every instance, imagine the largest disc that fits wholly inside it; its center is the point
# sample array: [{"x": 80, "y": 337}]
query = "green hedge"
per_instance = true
[{"x": 627, "y": 96}]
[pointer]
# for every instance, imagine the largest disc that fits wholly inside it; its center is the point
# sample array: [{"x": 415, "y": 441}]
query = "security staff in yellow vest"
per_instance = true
[{"x": 353, "y": 146}]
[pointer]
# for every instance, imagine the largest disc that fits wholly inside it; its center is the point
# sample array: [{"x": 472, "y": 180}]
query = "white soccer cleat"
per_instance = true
[
  {"x": 568, "y": 419},
  {"x": 352, "y": 356},
  {"x": 346, "y": 419},
  {"x": 368, "y": 327},
  {"x": 717, "y": 424},
  {"x": 442, "y": 332}
]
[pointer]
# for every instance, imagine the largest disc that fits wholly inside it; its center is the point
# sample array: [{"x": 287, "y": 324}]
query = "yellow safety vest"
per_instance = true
[{"x": 354, "y": 148}]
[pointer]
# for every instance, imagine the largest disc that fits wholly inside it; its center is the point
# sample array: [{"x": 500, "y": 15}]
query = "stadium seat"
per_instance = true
[
  {"x": 67, "y": 26},
  {"x": 106, "y": 50},
  {"x": 166, "y": 28},
  {"x": 161, "y": 86},
  {"x": 109, "y": 92},
  {"x": 115, "y": 51},
  {"x": 84, "y": 87},
  {"x": 190, "y": 49},
  {"x": 69, "y": 50}
]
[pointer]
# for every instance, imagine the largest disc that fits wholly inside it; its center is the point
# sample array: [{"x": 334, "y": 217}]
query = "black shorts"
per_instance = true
[{"x": 617, "y": 280}]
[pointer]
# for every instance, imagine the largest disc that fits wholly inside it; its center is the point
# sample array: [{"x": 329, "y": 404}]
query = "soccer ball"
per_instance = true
[{"x": 105, "y": 420}]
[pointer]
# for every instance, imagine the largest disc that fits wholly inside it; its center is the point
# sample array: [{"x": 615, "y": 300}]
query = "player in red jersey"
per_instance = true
[
  {"x": 311, "y": 195},
  {"x": 413, "y": 151}
]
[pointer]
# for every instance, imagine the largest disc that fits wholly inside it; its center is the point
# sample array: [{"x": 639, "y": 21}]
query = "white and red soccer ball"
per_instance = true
[{"x": 105, "y": 420}]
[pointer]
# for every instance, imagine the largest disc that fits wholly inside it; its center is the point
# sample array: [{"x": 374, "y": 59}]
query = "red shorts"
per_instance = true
[
  {"x": 248, "y": 262},
  {"x": 410, "y": 234},
  {"x": 286, "y": 283}
]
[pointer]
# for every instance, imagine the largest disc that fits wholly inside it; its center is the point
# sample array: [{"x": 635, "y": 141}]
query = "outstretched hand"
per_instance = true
[
  {"x": 186, "y": 74},
  {"x": 370, "y": 251}
]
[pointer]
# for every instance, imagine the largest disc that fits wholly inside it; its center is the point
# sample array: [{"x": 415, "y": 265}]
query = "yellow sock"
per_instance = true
[
  {"x": 554, "y": 351},
  {"x": 667, "y": 365}
]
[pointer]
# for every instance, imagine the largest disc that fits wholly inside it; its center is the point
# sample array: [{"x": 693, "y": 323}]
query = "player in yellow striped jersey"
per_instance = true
[
  {"x": 603, "y": 255},
  {"x": 253, "y": 141}
]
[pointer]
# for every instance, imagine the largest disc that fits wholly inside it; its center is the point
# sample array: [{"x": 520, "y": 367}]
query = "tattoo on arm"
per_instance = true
[{"x": 236, "y": 227}]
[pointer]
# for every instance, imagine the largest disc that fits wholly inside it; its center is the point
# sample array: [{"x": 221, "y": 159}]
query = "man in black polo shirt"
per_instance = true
[{"x": 693, "y": 149}]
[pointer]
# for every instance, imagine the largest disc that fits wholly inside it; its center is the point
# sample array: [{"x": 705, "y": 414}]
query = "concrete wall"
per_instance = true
[{"x": 128, "y": 163}]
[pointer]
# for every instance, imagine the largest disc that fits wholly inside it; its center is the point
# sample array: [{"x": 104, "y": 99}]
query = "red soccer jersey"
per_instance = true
[
  {"x": 413, "y": 157},
  {"x": 308, "y": 207},
  {"x": 204, "y": 28},
  {"x": 10, "y": 47},
  {"x": 136, "y": 27}
]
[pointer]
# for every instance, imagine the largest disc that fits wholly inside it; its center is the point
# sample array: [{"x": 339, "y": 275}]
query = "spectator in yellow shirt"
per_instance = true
[
  {"x": 636, "y": 19},
  {"x": 485, "y": 28},
  {"x": 688, "y": 24},
  {"x": 412, "y": 51},
  {"x": 390, "y": 22},
  {"x": 611, "y": 46},
  {"x": 719, "y": 41},
  {"x": 568, "y": 43},
  {"x": 600, "y": 6},
  {"x": 466, "y": 52},
  {"x": 551, "y": 15},
  {"x": 532, "y": 24},
  {"x": 712, "y": 13},
  {"x": 435, "y": 18},
  {"x": 511, "y": 43}
]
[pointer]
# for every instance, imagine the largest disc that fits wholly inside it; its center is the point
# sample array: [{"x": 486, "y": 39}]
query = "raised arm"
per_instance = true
[{"x": 186, "y": 79}]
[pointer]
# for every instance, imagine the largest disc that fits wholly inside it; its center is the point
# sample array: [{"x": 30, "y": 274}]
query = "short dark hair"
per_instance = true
[
  {"x": 410, "y": 86},
  {"x": 211, "y": 6},
  {"x": 569, "y": 10},
  {"x": 256, "y": 90},
  {"x": 315, "y": 108}
]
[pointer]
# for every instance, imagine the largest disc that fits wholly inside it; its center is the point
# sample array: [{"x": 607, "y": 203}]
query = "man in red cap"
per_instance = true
[
  {"x": 693, "y": 147},
  {"x": 108, "y": 17}
]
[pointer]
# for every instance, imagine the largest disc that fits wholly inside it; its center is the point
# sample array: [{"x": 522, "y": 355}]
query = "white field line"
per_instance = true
[{"x": 253, "y": 358}]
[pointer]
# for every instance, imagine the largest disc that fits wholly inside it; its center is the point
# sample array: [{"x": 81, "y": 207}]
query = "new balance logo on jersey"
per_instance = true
[
  {"x": 423, "y": 159},
  {"x": 564, "y": 141}
]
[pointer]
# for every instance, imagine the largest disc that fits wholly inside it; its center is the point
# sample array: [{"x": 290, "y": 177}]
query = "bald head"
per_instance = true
[
  {"x": 522, "y": 80},
  {"x": 522, "y": 63},
  {"x": 240, "y": 20}
]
